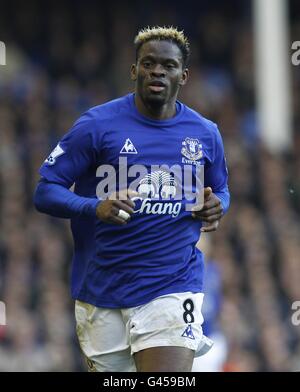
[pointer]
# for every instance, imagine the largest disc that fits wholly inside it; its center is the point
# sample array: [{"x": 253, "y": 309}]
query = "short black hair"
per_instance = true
[{"x": 158, "y": 33}]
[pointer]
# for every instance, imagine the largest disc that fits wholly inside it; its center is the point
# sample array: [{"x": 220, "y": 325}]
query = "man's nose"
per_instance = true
[{"x": 158, "y": 70}]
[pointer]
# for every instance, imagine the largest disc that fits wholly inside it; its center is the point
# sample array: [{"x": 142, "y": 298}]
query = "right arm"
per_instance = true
[
  {"x": 56, "y": 200},
  {"x": 73, "y": 156}
]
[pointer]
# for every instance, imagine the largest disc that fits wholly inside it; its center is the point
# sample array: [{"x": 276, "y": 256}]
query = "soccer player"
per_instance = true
[{"x": 137, "y": 274}]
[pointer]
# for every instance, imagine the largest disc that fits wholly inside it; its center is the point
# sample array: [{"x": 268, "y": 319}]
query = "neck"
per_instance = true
[{"x": 156, "y": 112}]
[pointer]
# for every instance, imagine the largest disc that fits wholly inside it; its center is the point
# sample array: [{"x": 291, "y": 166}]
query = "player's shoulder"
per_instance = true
[
  {"x": 97, "y": 118},
  {"x": 110, "y": 109},
  {"x": 203, "y": 122}
]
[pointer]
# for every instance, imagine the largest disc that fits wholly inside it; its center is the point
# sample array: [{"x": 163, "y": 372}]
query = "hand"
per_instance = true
[
  {"x": 108, "y": 210},
  {"x": 211, "y": 211}
]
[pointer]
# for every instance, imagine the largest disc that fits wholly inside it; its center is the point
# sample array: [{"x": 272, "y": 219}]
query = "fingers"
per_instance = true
[
  {"x": 218, "y": 210},
  {"x": 210, "y": 200},
  {"x": 113, "y": 218},
  {"x": 211, "y": 211},
  {"x": 125, "y": 196},
  {"x": 212, "y": 227},
  {"x": 207, "y": 192},
  {"x": 129, "y": 203},
  {"x": 121, "y": 205},
  {"x": 209, "y": 219},
  {"x": 212, "y": 203},
  {"x": 117, "y": 220},
  {"x": 109, "y": 210},
  {"x": 210, "y": 215}
]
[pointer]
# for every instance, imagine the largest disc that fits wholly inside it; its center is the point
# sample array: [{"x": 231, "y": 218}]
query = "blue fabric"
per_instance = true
[
  {"x": 58, "y": 201},
  {"x": 154, "y": 254}
]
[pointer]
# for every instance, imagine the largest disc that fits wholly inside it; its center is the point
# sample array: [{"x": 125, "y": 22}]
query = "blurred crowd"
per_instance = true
[{"x": 70, "y": 56}]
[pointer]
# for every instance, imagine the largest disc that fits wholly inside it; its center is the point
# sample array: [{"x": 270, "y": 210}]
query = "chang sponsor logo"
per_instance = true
[
  {"x": 158, "y": 208},
  {"x": 159, "y": 185}
]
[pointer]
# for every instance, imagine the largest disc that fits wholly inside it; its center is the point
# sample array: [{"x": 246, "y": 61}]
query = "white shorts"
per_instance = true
[{"x": 110, "y": 337}]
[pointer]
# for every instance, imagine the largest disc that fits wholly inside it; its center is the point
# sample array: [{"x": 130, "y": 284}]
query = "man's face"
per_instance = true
[{"x": 159, "y": 72}]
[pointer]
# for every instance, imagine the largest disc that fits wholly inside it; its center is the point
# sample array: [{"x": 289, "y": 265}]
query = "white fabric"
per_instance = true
[
  {"x": 109, "y": 337},
  {"x": 123, "y": 215}
]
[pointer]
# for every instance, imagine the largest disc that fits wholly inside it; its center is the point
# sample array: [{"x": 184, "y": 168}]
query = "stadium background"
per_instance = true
[{"x": 63, "y": 57}]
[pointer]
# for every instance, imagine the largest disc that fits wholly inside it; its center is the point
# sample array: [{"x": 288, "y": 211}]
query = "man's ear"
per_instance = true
[
  {"x": 184, "y": 77},
  {"x": 133, "y": 72}
]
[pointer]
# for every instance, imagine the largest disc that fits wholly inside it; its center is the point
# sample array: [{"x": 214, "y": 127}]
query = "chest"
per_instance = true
[{"x": 155, "y": 147}]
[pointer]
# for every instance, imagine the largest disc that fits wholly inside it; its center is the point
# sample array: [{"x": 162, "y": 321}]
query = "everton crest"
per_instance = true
[{"x": 192, "y": 149}]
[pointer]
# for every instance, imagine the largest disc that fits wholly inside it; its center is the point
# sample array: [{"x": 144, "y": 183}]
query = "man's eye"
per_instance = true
[
  {"x": 147, "y": 64},
  {"x": 170, "y": 66}
]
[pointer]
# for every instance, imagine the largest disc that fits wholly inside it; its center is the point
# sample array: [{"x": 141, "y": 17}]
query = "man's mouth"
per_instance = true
[{"x": 156, "y": 86}]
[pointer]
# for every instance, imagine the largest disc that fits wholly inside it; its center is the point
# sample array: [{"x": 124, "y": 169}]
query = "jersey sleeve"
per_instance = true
[
  {"x": 74, "y": 154},
  {"x": 216, "y": 172}
]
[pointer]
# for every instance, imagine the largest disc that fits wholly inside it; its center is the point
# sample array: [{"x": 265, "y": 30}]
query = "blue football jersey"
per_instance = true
[{"x": 154, "y": 254}]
